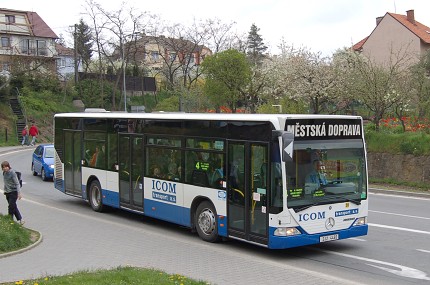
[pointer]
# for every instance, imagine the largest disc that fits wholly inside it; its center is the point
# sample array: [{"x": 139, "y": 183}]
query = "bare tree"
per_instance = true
[
  {"x": 113, "y": 28},
  {"x": 379, "y": 86},
  {"x": 220, "y": 35},
  {"x": 92, "y": 11}
]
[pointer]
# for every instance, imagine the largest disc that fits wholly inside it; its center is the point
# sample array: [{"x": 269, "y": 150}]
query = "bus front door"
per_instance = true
[
  {"x": 130, "y": 158},
  {"x": 72, "y": 162},
  {"x": 247, "y": 194}
]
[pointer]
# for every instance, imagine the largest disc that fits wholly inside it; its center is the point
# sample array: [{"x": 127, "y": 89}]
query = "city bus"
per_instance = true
[{"x": 224, "y": 176}]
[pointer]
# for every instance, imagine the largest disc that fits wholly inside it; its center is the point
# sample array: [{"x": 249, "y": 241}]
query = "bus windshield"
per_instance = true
[{"x": 325, "y": 172}]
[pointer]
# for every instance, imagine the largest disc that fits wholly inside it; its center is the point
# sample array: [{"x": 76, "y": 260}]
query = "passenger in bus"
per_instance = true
[
  {"x": 156, "y": 172},
  {"x": 217, "y": 175},
  {"x": 316, "y": 178},
  {"x": 180, "y": 173},
  {"x": 173, "y": 172},
  {"x": 100, "y": 160},
  {"x": 94, "y": 157},
  {"x": 234, "y": 174}
]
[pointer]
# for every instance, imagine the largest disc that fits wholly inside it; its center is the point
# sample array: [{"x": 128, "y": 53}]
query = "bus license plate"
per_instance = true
[{"x": 329, "y": 238}]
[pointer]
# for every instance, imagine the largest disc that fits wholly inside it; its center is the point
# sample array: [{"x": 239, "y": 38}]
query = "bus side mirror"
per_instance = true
[{"x": 287, "y": 146}]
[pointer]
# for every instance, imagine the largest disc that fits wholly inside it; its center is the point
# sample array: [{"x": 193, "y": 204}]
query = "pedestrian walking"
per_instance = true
[
  {"x": 24, "y": 135},
  {"x": 34, "y": 132},
  {"x": 12, "y": 191}
]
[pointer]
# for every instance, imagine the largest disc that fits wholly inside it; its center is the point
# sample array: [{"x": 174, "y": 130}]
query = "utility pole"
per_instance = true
[
  {"x": 75, "y": 54},
  {"x": 122, "y": 39}
]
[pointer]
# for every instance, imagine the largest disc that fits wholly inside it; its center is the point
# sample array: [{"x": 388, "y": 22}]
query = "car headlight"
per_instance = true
[
  {"x": 360, "y": 221},
  {"x": 51, "y": 166},
  {"x": 287, "y": 232}
]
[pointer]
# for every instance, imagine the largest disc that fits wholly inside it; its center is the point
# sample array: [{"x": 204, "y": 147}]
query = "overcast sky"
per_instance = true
[{"x": 320, "y": 25}]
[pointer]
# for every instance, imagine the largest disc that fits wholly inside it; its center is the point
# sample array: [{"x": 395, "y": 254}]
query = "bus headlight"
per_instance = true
[
  {"x": 287, "y": 232},
  {"x": 360, "y": 221},
  {"x": 51, "y": 166}
]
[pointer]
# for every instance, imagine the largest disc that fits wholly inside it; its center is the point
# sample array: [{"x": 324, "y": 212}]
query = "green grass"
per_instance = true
[
  {"x": 120, "y": 276},
  {"x": 12, "y": 235},
  {"x": 415, "y": 143}
]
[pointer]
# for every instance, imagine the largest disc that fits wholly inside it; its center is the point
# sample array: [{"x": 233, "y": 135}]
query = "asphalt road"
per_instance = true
[{"x": 396, "y": 251}]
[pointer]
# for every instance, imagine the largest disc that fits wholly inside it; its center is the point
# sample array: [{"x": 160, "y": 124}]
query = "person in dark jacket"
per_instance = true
[{"x": 12, "y": 190}]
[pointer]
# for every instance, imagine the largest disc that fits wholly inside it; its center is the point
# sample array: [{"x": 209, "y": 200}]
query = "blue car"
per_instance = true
[{"x": 42, "y": 162}]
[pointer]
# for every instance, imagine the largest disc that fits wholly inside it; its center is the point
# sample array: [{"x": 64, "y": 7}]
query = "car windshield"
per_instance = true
[
  {"x": 326, "y": 172},
  {"x": 49, "y": 152}
]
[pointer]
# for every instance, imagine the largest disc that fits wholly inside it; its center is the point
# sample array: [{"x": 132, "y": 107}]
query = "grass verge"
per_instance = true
[
  {"x": 120, "y": 275},
  {"x": 13, "y": 236},
  {"x": 400, "y": 185}
]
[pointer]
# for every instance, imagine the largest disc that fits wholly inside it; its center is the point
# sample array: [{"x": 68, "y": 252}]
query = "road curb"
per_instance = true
[{"x": 39, "y": 240}]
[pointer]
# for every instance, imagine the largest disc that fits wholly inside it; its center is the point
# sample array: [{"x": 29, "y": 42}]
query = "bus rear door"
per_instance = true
[{"x": 72, "y": 162}]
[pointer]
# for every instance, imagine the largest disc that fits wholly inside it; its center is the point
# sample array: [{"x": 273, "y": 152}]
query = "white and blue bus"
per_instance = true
[{"x": 237, "y": 176}]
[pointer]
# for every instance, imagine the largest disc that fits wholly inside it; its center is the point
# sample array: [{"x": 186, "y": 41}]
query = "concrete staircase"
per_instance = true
[{"x": 21, "y": 121}]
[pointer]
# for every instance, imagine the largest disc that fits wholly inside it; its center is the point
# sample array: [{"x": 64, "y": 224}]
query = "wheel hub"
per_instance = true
[{"x": 207, "y": 221}]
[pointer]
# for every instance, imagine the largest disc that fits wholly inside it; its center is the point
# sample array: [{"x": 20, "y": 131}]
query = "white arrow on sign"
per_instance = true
[{"x": 289, "y": 150}]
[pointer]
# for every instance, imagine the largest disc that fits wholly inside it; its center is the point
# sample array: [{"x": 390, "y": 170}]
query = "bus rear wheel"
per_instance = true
[
  {"x": 95, "y": 196},
  {"x": 206, "y": 222}
]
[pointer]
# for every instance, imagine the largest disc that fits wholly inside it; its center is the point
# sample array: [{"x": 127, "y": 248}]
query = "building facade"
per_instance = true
[
  {"x": 396, "y": 36},
  {"x": 27, "y": 42}
]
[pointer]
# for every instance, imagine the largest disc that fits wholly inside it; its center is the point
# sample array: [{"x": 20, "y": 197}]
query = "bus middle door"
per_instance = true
[
  {"x": 130, "y": 158},
  {"x": 247, "y": 197}
]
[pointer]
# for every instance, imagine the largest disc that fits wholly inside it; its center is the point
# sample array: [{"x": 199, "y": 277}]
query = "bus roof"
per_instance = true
[{"x": 199, "y": 116}]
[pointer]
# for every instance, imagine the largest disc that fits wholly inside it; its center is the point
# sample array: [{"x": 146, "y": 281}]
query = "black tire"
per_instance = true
[
  {"x": 95, "y": 196},
  {"x": 206, "y": 222},
  {"x": 43, "y": 174},
  {"x": 32, "y": 170}
]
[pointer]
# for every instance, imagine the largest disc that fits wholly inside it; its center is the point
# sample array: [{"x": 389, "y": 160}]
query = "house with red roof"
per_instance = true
[
  {"x": 396, "y": 36},
  {"x": 27, "y": 42}
]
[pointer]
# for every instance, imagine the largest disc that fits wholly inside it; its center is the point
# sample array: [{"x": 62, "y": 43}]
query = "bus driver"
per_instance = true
[{"x": 316, "y": 178}]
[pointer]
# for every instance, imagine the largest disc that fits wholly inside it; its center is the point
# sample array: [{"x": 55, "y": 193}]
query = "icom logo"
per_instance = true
[{"x": 311, "y": 217}]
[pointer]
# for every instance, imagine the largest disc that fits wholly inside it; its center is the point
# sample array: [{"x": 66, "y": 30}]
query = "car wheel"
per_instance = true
[
  {"x": 44, "y": 178},
  {"x": 206, "y": 222},
  {"x": 95, "y": 196},
  {"x": 32, "y": 170}
]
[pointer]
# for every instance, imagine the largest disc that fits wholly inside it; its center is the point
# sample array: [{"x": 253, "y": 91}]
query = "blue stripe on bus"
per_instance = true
[
  {"x": 110, "y": 198},
  {"x": 167, "y": 212},
  {"x": 163, "y": 211},
  {"x": 278, "y": 242}
]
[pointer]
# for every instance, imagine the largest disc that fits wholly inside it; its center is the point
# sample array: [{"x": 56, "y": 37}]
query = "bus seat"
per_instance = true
[{"x": 200, "y": 178}]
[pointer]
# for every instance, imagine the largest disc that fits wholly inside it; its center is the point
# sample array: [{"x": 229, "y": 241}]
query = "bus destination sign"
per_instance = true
[{"x": 325, "y": 128}]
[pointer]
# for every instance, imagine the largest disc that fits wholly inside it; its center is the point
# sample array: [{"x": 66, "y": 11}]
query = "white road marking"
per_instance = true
[
  {"x": 15, "y": 151},
  {"x": 399, "y": 229},
  {"x": 422, "y": 198},
  {"x": 393, "y": 268},
  {"x": 401, "y": 215},
  {"x": 358, "y": 239},
  {"x": 423, "y": 250}
]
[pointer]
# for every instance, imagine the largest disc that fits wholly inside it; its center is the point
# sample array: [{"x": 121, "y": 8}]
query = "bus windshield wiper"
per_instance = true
[
  {"x": 305, "y": 207},
  {"x": 299, "y": 209},
  {"x": 355, "y": 201}
]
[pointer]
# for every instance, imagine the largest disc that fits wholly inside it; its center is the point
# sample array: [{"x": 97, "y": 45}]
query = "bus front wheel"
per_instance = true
[
  {"x": 95, "y": 196},
  {"x": 206, "y": 222}
]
